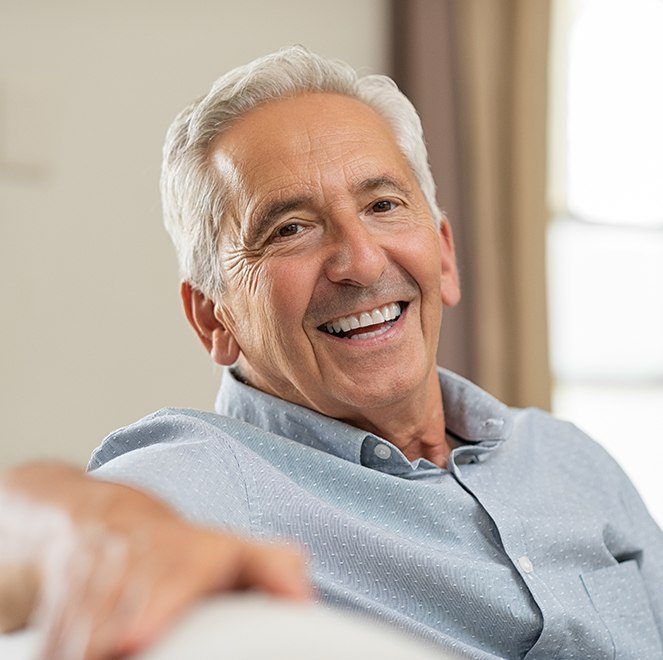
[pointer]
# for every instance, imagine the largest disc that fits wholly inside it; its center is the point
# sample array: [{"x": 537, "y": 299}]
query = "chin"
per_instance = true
[{"x": 378, "y": 390}]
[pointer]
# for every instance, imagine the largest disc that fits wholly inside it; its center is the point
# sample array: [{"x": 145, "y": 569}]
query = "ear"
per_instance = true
[
  {"x": 207, "y": 322},
  {"x": 450, "y": 287}
]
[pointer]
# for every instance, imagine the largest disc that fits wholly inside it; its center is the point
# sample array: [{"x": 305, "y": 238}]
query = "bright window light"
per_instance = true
[
  {"x": 615, "y": 112},
  {"x": 606, "y": 295}
]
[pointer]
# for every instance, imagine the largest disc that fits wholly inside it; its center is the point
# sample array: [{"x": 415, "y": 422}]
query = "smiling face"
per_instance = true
[{"x": 335, "y": 270}]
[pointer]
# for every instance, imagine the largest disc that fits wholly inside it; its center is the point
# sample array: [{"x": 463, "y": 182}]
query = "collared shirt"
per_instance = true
[{"x": 532, "y": 543}]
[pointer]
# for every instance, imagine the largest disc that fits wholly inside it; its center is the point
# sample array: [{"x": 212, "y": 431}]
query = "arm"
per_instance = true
[{"x": 109, "y": 567}]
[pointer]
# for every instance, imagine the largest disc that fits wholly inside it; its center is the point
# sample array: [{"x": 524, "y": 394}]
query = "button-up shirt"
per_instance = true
[{"x": 531, "y": 543}]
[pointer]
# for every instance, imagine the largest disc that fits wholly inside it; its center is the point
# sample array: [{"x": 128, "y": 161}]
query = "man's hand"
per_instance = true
[{"x": 102, "y": 569}]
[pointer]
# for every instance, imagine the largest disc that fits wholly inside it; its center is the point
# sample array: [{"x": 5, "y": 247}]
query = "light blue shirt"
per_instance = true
[{"x": 533, "y": 543}]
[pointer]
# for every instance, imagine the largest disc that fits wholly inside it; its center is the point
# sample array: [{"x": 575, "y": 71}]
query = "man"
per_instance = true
[{"x": 315, "y": 261}]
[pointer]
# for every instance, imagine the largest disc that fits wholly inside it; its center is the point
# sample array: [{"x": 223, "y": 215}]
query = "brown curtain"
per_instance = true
[{"x": 477, "y": 72}]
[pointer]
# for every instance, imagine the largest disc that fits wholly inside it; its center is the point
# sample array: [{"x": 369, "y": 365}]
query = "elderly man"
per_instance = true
[{"x": 316, "y": 266}]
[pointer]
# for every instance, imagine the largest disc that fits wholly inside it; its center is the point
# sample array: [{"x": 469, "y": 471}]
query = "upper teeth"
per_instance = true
[{"x": 373, "y": 317}]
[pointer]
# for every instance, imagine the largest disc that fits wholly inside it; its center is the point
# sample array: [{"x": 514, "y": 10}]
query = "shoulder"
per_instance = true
[
  {"x": 170, "y": 429},
  {"x": 557, "y": 442},
  {"x": 191, "y": 459}
]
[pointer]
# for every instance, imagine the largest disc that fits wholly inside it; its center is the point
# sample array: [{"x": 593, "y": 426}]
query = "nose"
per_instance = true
[{"x": 356, "y": 256}]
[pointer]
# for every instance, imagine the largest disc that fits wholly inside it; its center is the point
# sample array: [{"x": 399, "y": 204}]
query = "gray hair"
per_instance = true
[{"x": 193, "y": 194}]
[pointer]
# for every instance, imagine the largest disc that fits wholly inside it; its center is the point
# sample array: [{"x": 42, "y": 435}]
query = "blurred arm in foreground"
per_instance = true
[{"x": 102, "y": 569}]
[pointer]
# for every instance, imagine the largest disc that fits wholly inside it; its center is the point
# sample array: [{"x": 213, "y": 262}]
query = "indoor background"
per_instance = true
[{"x": 546, "y": 144}]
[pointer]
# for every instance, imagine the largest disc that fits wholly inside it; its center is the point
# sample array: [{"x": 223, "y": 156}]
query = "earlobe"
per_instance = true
[
  {"x": 450, "y": 284},
  {"x": 207, "y": 322}
]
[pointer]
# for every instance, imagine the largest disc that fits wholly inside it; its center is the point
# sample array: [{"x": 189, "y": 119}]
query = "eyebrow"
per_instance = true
[
  {"x": 375, "y": 183},
  {"x": 263, "y": 220}
]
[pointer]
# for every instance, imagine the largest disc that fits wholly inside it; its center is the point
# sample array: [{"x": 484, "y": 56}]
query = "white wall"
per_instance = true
[{"x": 92, "y": 336}]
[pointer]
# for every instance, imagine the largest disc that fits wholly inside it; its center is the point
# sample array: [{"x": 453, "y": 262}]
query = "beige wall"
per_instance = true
[{"x": 92, "y": 333}]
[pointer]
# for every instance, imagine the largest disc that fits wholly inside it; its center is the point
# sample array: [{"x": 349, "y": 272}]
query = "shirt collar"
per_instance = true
[
  {"x": 311, "y": 428},
  {"x": 471, "y": 414}
]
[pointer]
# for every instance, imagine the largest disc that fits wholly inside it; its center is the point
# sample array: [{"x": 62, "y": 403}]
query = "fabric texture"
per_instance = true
[{"x": 533, "y": 543}]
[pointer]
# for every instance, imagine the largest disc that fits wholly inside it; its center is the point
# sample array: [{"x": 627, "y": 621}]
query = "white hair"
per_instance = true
[{"x": 194, "y": 195}]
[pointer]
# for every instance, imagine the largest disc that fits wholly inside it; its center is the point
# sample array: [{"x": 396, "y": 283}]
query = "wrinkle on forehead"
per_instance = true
[
  {"x": 322, "y": 123},
  {"x": 266, "y": 158}
]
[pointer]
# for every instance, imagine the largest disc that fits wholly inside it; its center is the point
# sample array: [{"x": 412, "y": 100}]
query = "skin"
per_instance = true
[{"x": 356, "y": 234}]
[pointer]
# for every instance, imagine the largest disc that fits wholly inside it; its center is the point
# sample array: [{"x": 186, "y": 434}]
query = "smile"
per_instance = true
[{"x": 365, "y": 324}]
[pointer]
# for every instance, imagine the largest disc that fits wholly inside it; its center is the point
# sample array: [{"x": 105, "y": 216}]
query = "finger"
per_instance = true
[
  {"x": 161, "y": 601},
  {"x": 19, "y": 585},
  {"x": 278, "y": 570},
  {"x": 157, "y": 588},
  {"x": 242, "y": 564},
  {"x": 217, "y": 563},
  {"x": 112, "y": 599},
  {"x": 93, "y": 578},
  {"x": 64, "y": 627},
  {"x": 119, "y": 615}
]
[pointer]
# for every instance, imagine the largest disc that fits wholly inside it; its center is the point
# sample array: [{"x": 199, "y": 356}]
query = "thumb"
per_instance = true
[{"x": 276, "y": 569}]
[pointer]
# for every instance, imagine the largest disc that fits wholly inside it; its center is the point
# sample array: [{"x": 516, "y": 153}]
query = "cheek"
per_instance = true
[
  {"x": 418, "y": 252},
  {"x": 270, "y": 300},
  {"x": 282, "y": 312},
  {"x": 248, "y": 294},
  {"x": 292, "y": 282}
]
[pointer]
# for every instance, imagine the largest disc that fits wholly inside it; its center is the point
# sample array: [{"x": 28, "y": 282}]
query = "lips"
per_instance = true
[{"x": 369, "y": 322}]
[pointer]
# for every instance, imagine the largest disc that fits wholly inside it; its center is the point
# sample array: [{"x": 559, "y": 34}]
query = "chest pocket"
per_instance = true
[{"x": 618, "y": 595}]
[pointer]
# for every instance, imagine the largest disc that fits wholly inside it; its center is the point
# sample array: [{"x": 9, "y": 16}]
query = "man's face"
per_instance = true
[{"x": 330, "y": 231}]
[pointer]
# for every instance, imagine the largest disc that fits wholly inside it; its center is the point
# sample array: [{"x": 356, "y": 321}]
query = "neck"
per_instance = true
[{"x": 415, "y": 425}]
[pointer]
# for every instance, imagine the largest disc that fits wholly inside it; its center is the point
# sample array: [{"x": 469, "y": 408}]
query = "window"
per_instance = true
[{"x": 605, "y": 241}]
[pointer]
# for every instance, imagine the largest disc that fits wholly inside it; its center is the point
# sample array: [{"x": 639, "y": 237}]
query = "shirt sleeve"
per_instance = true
[{"x": 184, "y": 461}]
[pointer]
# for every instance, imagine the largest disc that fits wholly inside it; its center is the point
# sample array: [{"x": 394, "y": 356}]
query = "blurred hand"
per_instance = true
[{"x": 102, "y": 569}]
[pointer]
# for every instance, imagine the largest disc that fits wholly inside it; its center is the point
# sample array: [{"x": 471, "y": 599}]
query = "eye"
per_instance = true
[
  {"x": 383, "y": 206},
  {"x": 290, "y": 229}
]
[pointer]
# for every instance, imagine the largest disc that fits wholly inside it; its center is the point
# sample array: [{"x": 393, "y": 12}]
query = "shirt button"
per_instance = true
[
  {"x": 525, "y": 564},
  {"x": 382, "y": 451}
]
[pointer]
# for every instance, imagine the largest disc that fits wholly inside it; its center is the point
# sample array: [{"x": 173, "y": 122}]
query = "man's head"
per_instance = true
[
  {"x": 317, "y": 223},
  {"x": 195, "y": 197}
]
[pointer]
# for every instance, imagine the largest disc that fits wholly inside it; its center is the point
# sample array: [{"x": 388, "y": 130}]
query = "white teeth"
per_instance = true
[
  {"x": 376, "y": 316},
  {"x": 365, "y": 319}
]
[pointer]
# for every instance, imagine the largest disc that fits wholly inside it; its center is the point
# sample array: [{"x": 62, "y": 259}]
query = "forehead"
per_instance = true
[{"x": 320, "y": 141}]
